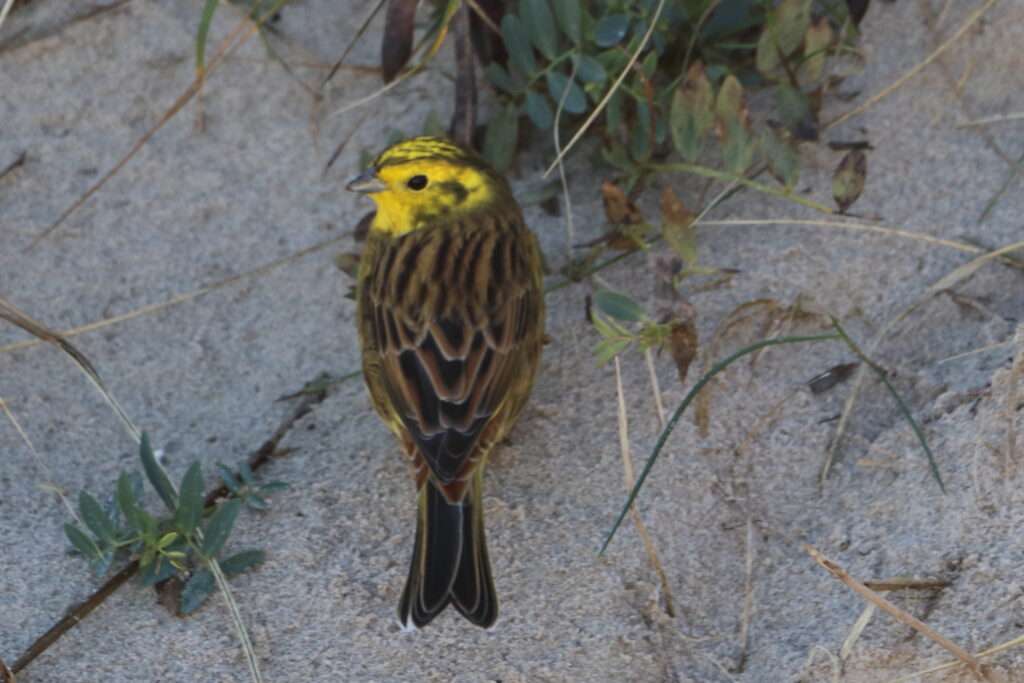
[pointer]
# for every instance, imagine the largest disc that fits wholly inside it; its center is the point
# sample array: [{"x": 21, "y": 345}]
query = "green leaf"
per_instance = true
[
  {"x": 792, "y": 17},
  {"x": 691, "y": 115},
  {"x": 782, "y": 157},
  {"x": 640, "y": 136},
  {"x": 227, "y": 475},
  {"x": 783, "y": 33},
  {"x": 575, "y": 100},
  {"x": 613, "y": 111},
  {"x": 245, "y": 471},
  {"x": 588, "y": 69},
  {"x": 156, "y": 475},
  {"x": 166, "y": 540},
  {"x": 611, "y": 29},
  {"x": 518, "y": 44},
  {"x": 155, "y": 572},
  {"x": 81, "y": 541},
  {"x": 540, "y": 25},
  {"x": 610, "y": 348},
  {"x": 190, "y": 500},
  {"x": 126, "y": 500},
  {"x": 219, "y": 527},
  {"x": 239, "y": 562},
  {"x": 204, "y": 30},
  {"x": 794, "y": 107},
  {"x": 569, "y": 15},
  {"x": 618, "y": 306},
  {"x": 539, "y": 110},
  {"x": 95, "y": 518},
  {"x": 816, "y": 44},
  {"x": 501, "y": 138},
  {"x": 737, "y": 146},
  {"x": 198, "y": 588},
  {"x": 500, "y": 78}
]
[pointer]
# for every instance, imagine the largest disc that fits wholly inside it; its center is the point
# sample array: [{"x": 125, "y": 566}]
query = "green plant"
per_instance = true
[
  {"x": 689, "y": 79},
  {"x": 179, "y": 544}
]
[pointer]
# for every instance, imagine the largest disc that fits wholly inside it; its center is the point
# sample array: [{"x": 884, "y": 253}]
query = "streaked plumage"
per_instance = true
[{"x": 451, "y": 322}]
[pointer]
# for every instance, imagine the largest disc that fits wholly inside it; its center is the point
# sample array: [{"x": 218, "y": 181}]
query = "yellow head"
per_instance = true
[{"x": 423, "y": 181}]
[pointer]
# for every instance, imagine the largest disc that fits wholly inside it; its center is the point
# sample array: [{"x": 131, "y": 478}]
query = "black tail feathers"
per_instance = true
[{"x": 449, "y": 561}]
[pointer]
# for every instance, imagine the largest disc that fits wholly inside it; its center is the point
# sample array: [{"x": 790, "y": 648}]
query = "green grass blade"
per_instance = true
[
  {"x": 204, "y": 30},
  {"x": 880, "y": 371},
  {"x": 717, "y": 368}
]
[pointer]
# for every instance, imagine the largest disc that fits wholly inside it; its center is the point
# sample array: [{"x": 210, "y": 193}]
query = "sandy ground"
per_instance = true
[{"x": 728, "y": 511}]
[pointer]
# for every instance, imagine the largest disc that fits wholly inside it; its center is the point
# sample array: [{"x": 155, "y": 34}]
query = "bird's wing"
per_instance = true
[{"x": 455, "y": 338}]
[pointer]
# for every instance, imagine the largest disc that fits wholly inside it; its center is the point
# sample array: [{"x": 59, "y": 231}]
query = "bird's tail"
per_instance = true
[{"x": 449, "y": 560}]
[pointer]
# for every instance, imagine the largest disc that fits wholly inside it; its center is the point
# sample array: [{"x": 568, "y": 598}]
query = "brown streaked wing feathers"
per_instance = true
[{"x": 449, "y": 356}]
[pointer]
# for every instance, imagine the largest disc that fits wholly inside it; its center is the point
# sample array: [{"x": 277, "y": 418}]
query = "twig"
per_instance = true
[
  {"x": 898, "y": 83},
  {"x": 611, "y": 91},
  {"x": 628, "y": 477},
  {"x": 900, "y": 615},
  {"x": 348, "y": 48}
]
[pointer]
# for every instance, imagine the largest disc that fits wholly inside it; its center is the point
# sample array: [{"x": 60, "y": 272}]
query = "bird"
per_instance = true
[{"x": 450, "y": 317}]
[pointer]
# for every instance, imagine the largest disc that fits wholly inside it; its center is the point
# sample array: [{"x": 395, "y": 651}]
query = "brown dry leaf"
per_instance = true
[
  {"x": 683, "y": 343},
  {"x": 848, "y": 181},
  {"x": 618, "y": 208},
  {"x": 831, "y": 377},
  {"x": 396, "y": 43},
  {"x": 674, "y": 310},
  {"x": 677, "y": 226},
  {"x": 6, "y": 675}
]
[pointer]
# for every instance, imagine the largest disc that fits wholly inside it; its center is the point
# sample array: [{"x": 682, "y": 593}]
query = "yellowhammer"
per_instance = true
[{"x": 451, "y": 322}]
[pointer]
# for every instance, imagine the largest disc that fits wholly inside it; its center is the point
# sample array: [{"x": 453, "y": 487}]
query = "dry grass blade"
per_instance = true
[
  {"x": 1017, "y": 116},
  {"x": 41, "y": 332},
  {"x": 236, "y": 38},
  {"x": 748, "y": 596},
  {"x": 180, "y": 298},
  {"x": 850, "y": 225},
  {"x": 1015, "y": 642},
  {"x": 3, "y": 17},
  {"x": 49, "y": 484},
  {"x": 900, "y": 615},
  {"x": 408, "y": 72},
  {"x": 628, "y": 477},
  {"x": 611, "y": 91},
  {"x": 348, "y": 48},
  {"x": 858, "y": 628},
  {"x": 899, "y": 82}
]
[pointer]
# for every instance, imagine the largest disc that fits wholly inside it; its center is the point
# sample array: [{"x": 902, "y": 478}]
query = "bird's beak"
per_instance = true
[{"x": 366, "y": 182}]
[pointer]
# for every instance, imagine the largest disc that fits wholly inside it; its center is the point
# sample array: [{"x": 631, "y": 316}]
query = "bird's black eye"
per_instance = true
[{"x": 417, "y": 182}]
